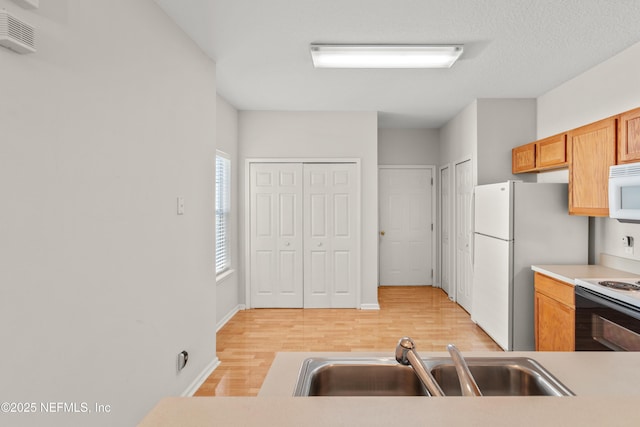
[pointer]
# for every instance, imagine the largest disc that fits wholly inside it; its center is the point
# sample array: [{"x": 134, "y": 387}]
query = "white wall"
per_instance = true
[
  {"x": 322, "y": 135},
  {"x": 458, "y": 142},
  {"x": 227, "y": 289},
  {"x": 605, "y": 90},
  {"x": 408, "y": 146},
  {"x": 102, "y": 283},
  {"x": 609, "y": 88},
  {"x": 459, "y": 136},
  {"x": 502, "y": 125},
  {"x": 487, "y": 130}
]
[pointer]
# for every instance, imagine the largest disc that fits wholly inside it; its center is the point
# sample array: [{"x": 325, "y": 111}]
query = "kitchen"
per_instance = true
[{"x": 138, "y": 288}]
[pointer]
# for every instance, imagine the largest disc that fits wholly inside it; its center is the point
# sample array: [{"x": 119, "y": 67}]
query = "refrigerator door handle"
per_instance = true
[{"x": 473, "y": 229}]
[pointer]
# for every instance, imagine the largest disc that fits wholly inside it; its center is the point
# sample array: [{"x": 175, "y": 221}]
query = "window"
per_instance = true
[{"x": 223, "y": 190}]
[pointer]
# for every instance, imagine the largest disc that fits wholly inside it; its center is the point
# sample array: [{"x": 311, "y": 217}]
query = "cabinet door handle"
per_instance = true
[
  {"x": 382, "y": 233},
  {"x": 287, "y": 244}
]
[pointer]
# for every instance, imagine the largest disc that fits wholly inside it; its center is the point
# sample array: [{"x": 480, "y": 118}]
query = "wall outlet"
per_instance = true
[
  {"x": 183, "y": 356},
  {"x": 627, "y": 243}
]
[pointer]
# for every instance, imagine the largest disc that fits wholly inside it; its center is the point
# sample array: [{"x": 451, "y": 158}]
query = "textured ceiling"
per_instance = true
[{"x": 513, "y": 49}]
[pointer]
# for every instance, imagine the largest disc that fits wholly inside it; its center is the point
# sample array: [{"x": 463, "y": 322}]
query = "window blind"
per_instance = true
[{"x": 223, "y": 190}]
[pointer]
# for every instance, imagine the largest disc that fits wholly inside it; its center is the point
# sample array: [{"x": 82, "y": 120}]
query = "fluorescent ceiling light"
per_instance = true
[{"x": 384, "y": 56}]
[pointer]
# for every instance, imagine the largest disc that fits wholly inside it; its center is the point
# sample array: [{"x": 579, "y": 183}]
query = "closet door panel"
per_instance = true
[
  {"x": 264, "y": 278},
  {"x": 289, "y": 281},
  {"x": 318, "y": 274},
  {"x": 341, "y": 272},
  {"x": 318, "y": 216},
  {"x": 342, "y": 216},
  {"x": 276, "y": 235},
  {"x": 303, "y": 235},
  {"x": 329, "y": 210},
  {"x": 288, "y": 221}
]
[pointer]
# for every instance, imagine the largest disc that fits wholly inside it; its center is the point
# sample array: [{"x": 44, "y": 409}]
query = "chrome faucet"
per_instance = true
[
  {"x": 406, "y": 355},
  {"x": 467, "y": 382}
]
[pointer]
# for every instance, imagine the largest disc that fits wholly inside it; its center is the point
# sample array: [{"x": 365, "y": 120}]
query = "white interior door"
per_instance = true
[
  {"x": 445, "y": 231},
  {"x": 276, "y": 235},
  {"x": 464, "y": 233},
  {"x": 330, "y": 243},
  {"x": 406, "y": 226}
]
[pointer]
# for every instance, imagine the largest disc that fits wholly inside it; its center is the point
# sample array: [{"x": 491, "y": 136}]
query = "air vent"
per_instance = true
[
  {"x": 28, "y": 4},
  {"x": 632, "y": 169},
  {"x": 16, "y": 34}
]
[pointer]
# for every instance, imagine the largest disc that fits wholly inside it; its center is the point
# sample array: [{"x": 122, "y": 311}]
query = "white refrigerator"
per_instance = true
[{"x": 516, "y": 225}]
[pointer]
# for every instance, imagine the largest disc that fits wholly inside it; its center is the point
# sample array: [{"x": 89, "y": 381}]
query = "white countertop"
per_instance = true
[
  {"x": 398, "y": 411},
  {"x": 569, "y": 273},
  {"x": 606, "y": 384}
]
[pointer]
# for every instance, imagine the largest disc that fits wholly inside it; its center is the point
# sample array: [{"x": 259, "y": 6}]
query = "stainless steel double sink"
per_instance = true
[{"x": 495, "y": 376}]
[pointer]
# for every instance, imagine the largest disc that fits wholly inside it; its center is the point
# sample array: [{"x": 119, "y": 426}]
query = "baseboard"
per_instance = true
[
  {"x": 229, "y": 316},
  {"x": 200, "y": 379},
  {"x": 370, "y": 306}
]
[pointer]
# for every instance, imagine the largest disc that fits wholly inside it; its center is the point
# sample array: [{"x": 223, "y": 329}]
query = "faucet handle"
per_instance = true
[
  {"x": 406, "y": 355},
  {"x": 404, "y": 345},
  {"x": 468, "y": 384}
]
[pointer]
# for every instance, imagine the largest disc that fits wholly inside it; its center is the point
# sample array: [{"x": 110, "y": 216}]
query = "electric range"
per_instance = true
[
  {"x": 607, "y": 315},
  {"x": 625, "y": 290}
]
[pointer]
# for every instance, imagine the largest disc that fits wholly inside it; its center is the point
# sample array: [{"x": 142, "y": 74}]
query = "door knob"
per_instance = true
[
  {"x": 382, "y": 233},
  {"x": 319, "y": 244},
  {"x": 287, "y": 244}
]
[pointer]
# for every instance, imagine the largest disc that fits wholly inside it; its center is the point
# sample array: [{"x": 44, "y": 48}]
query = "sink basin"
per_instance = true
[
  {"x": 495, "y": 376},
  {"x": 501, "y": 377},
  {"x": 357, "y": 377}
]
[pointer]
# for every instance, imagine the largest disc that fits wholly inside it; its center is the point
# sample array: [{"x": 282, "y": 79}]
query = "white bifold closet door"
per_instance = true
[
  {"x": 276, "y": 235},
  {"x": 330, "y": 244},
  {"x": 303, "y": 235}
]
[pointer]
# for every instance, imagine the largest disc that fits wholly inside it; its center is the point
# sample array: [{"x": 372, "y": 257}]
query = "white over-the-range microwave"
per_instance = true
[{"x": 624, "y": 192}]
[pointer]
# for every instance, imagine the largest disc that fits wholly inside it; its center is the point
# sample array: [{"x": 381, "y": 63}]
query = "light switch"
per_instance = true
[{"x": 180, "y": 205}]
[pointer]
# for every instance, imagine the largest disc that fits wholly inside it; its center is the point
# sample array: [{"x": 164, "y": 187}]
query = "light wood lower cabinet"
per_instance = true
[{"x": 554, "y": 314}]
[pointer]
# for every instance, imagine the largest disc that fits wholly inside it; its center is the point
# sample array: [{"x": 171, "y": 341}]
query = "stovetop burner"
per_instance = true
[
  {"x": 623, "y": 286},
  {"x": 625, "y": 289}
]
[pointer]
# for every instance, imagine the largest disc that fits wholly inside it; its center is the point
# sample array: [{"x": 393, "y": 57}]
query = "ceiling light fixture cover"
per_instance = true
[{"x": 384, "y": 56}]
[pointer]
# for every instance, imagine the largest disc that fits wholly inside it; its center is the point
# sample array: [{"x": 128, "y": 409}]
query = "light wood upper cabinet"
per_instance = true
[
  {"x": 548, "y": 153},
  {"x": 523, "y": 158},
  {"x": 588, "y": 151},
  {"x": 555, "y": 325},
  {"x": 592, "y": 149},
  {"x": 552, "y": 152},
  {"x": 629, "y": 137}
]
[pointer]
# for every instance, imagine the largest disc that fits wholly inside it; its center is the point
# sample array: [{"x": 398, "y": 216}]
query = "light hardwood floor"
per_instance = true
[{"x": 247, "y": 344}]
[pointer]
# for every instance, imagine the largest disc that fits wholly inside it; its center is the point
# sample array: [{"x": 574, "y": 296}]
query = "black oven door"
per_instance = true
[{"x": 605, "y": 324}]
